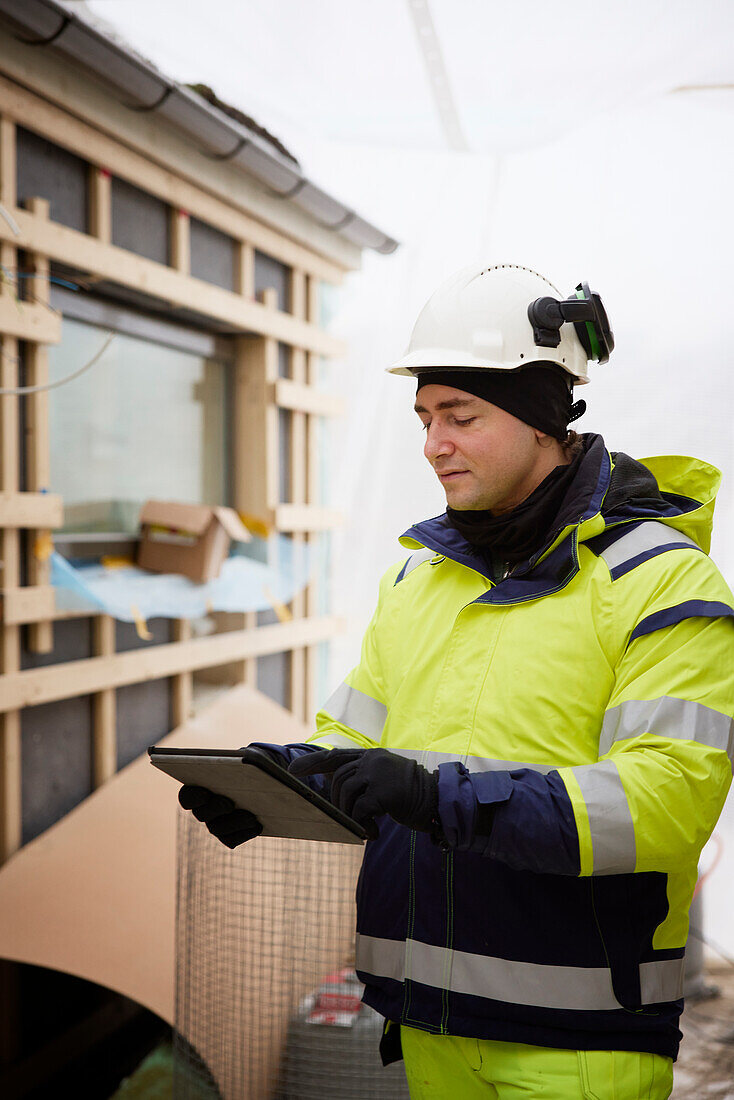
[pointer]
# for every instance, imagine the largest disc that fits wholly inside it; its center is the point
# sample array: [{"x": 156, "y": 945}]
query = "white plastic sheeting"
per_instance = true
[
  {"x": 129, "y": 593},
  {"x": 587, "y": 162}
]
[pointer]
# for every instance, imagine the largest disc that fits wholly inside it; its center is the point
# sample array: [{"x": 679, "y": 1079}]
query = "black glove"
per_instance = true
[
  {"x": 230, "y": 825},
  {"x": 367, "y": 783}
]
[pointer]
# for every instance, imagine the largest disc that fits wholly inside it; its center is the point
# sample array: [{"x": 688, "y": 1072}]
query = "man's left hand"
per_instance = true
[{"x": 368, "y": 783}]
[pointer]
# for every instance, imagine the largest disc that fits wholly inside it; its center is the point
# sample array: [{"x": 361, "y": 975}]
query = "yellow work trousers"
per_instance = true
[{"x": 448, "y": 1067}]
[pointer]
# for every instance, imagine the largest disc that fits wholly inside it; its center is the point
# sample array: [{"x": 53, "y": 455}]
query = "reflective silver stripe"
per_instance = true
[
  {"x": 383, "y": 958},
  {"x": 537, "y": 984},
  {"x": 661, "y": 981},
  {"x": 431, "y": 760},
  {"x": 610, "y": 820},
  {"x": 648, "y": 536},
  {"x": 667, "y": 717},
  {"x": 334, "y": 740},
  {"x": 358, "y": 711},
  {"x": 417, "y": 559}
]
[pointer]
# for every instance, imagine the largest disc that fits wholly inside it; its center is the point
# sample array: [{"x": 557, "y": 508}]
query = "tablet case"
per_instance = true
[{"x": 285, "y": 806}]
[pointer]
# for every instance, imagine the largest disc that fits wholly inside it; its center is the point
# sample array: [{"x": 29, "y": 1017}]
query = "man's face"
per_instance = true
[{"x": 483, "y": 456}]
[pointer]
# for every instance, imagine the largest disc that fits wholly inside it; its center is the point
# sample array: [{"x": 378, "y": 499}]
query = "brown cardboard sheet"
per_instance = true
[{"x": 95, "y": 894}]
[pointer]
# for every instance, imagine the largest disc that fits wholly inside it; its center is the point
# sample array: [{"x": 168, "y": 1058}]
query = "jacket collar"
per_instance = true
[{"x": 582, "y": 516}]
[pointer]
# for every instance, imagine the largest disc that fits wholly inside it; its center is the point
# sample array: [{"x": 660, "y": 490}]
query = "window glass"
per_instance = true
[{"x": 147, "y": 421}]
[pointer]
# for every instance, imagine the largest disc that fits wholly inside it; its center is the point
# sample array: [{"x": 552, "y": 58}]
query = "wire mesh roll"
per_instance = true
[{"x": 264, "y": 951}]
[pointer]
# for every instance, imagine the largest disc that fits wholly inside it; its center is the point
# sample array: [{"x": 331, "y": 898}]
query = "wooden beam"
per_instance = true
[
  {"x": 71, "y": 678},
  {"x": 180, "y": 240},
  {"x": 31, "y": 510},
  {"x": 117, "y": 265},
  {"x": 295, "y": 395},
  {"x": 244, "y": 276},
  {"x": 306, "y": 517},
  {"x": 313, "y": 490},
  {"x": 104, "y": 707},
  {"x": 10, "y": 778},
  {"x": 37, "y": 442},
  {"x": 182, "y": 685},
  {"x": 63, "y": 128},
  {"x": 28, "y": 604},
  {"x": 256, "y": 426},
  {"x": 100, "y": 203},
  {"x": 28, "y": 320}
]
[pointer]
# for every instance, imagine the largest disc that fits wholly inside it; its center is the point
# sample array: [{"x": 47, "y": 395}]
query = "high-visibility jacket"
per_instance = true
[{"x": 588, "y": 697}]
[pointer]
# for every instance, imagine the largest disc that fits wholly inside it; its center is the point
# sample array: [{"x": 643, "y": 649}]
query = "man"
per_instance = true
[{"x": 536, "y": 735}]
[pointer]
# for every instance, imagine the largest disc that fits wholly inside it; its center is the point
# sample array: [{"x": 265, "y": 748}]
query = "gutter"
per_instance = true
[{"x": 47, "y": 24}]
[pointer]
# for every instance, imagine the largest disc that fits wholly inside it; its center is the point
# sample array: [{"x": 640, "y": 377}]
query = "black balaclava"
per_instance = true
[{"x": 539, "y": 395}]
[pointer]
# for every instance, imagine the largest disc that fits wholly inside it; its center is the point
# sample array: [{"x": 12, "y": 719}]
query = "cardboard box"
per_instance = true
[{"x": 192, "y": 539}]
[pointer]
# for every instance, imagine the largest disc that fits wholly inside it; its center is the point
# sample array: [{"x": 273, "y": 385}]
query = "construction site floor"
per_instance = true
[{"x": 705, "y": 1066}]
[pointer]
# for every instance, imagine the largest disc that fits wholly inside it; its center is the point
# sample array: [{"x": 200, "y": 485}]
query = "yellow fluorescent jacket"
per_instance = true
[{"x": 588, "y": 699}]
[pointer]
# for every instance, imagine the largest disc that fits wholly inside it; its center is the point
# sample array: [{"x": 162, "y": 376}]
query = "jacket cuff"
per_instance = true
[{"x": 461, "y": 793}]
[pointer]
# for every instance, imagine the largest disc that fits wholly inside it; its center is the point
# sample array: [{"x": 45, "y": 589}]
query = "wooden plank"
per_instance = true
[
  {"x": 104, "y": 707},
  {"x": 31, "y": 510},
  {"x": 63, "y": 128},
  {"x": 8, "y": 172},
  {"x": 180, "y": 241},
  {"x": 313, "y": 490},
  {"x": 288, "y": 394},
  {"x": 37, "y": 442},
  {"x": 100, "y": 203},
  {"x": 28, "y": 604},
  {"x": 105, "y": 261},
  {"x": 10, "y": 776},
  {"x": 70, "y": 678},
  {"x": 297, "y": 477},
  {"x": 306, "y": 517},
  {"x": 182, "y": 685},
  {"x": 28, "y": 320},
  {"x": 244, "y": 278}
]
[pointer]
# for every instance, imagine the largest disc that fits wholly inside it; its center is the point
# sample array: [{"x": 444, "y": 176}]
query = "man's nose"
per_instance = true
[{"x": 438, "y": 442}]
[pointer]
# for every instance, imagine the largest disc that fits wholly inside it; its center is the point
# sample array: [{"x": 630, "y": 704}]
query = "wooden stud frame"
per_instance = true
[{"x": 259, "y": 393}]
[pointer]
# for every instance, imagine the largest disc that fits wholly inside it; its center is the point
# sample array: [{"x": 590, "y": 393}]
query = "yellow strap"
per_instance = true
[
  {"x": 140, "y": 624},
  {"x": 283, "y": 613},
  {"x": 43, "y": 546}
]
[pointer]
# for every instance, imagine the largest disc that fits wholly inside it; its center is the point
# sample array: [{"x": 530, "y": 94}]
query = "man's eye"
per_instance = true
[
  {"x": 425, "y": 427},
  {"x": 468, "y": 421}
]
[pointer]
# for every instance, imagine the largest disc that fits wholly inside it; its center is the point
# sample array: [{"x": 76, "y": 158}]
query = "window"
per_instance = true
[{"x": 149, "y": 421}]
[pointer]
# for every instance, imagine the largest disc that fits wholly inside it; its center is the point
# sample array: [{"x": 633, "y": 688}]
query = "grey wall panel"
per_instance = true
[
  {"x": 143, "y": 710},
  {"x": 212, "y": 255},
  {"x": 56, "y": 761},
  {"x": 126, "y": 636},
  {"x": 72, "y": 642},
  {"x": 273, "y": 670},
  {"x": 285, "y": 419},
  {"x": 47, "y": 171},
  {"x": 272, "y": 273},
  {"x": 143, "y": 717},
  {"x": 284, "y": 361},
  {"x": 140, "y": 222}
]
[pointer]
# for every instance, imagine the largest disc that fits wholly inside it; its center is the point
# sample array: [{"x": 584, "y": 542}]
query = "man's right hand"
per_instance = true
[{"x": 222, "y": 819}]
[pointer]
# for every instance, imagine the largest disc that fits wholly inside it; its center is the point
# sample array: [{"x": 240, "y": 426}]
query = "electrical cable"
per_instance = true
[{"x": 22, "y": 390}]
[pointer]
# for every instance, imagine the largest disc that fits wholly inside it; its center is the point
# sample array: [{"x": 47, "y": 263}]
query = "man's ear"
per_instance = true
[{"x": 543, "y": 439}]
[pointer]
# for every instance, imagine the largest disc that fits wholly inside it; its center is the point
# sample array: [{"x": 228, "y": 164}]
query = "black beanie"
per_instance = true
[{"x": 539, "y": 394}]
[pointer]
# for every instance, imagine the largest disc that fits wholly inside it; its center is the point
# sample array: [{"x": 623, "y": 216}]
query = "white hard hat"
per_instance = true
[{"x": 479, "y": 319}]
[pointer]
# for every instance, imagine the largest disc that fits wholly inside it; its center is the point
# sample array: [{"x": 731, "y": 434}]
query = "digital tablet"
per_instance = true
[{"x": 285, "y": 806}]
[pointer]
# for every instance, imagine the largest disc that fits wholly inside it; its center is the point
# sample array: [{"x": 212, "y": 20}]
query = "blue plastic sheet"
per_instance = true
[{"x": 271, "y": 572}]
